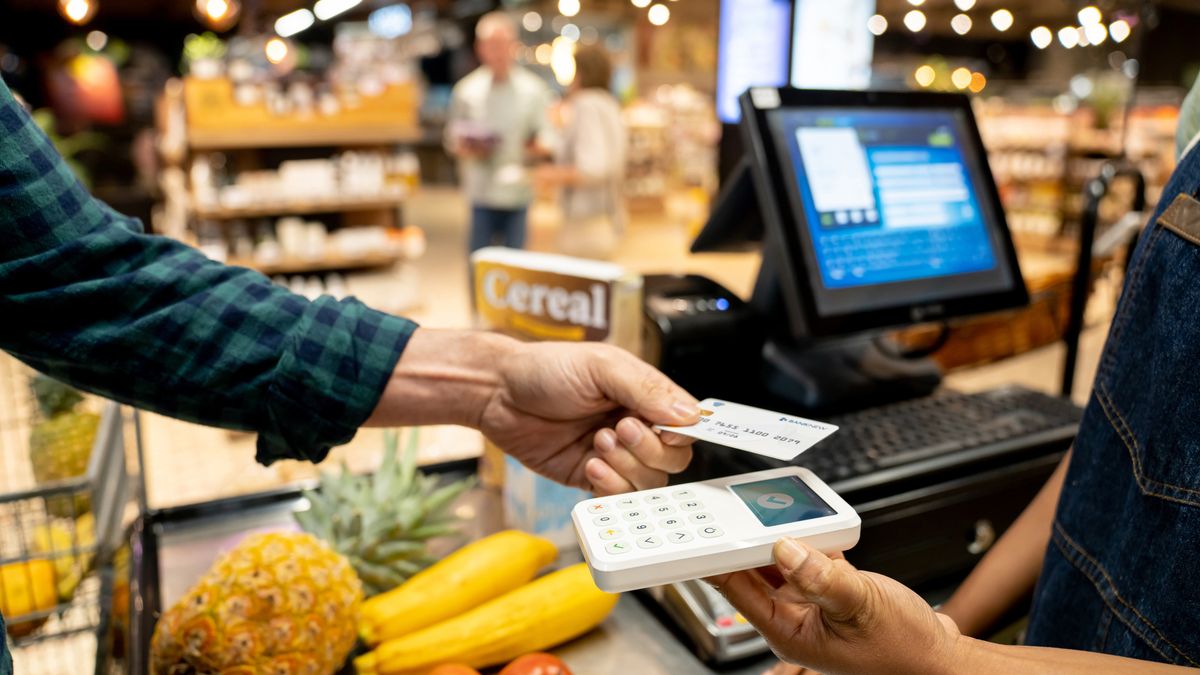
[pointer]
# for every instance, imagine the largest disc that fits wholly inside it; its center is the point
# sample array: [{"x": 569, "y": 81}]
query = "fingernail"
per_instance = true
[
  {"x": 790, "y": 554},
  {"x": 605, "y": 441},
  {"x": 629, "y": 432},
  {"x": 596, "y": 468},
  {"x": 685, "y": 410}
]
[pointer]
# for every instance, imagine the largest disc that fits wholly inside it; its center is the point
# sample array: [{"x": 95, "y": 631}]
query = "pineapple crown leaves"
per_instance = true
[
  {"x": 54, "y": 397},
  {"x": 381, "y": 522}
]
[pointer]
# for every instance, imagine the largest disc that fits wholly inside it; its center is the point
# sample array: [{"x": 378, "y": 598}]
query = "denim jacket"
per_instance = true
[{"x": 1122, "y": 572}]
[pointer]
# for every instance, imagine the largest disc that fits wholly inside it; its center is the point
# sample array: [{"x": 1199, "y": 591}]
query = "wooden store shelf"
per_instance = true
[
  {"x": 339, "y": 204},
  {"x": 216, "y": 122},
  {"x": 327, "y": 263}
]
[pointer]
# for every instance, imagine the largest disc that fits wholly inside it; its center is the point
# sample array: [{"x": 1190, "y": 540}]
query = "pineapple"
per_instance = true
[
  {"x": 280, "y": 602},
  {"x": 381, "y": 522},
  {"x": 60, "y": 443},
  {"x": 288, "y": 603}
]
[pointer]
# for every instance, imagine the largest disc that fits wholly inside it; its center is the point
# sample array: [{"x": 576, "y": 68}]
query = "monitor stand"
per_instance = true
[{"x": 844, "y": 374}]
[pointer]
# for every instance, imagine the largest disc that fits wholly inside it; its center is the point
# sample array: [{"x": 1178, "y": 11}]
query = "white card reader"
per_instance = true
[{"x": 694, "y": 530}]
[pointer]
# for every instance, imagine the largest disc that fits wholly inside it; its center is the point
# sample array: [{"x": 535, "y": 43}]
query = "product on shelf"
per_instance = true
[
  {"x": 382, "y": 521},
  {"x": 537, "y": 663},
  {"x": 66, "y": 545},
  {"x": 541, "y": 614},
  {"x": 472, "y": 575},
  {"x": 278, "y": 602},
  {"x": 60, "y": 443}
]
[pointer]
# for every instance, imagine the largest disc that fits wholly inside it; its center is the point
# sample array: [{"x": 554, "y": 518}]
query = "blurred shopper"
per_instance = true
[
  {"x": 590, "y": 166},
  {"x": 496, "y": 122}
]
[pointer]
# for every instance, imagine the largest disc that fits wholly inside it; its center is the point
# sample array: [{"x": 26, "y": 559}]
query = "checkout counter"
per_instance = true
[{"x": 874, "y": 210}]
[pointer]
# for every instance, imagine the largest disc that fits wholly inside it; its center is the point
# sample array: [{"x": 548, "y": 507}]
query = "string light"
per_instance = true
[
  {"x": 276, "y": 50},
  {"x": 978, "y": 82},
  {"x": 659, "y": 15},
  {"x": 1002, "y": 19},
  {"x": 1119, "y": 30},
  {"x": 1041, "y": 37},
  {"x": 1068, "y": 37},
  {"x": 925, "y": 75},
  {"x": 964, "y": 5},
  {"x": 568, "y": 7},
  {"x": 218, "y": 14},
  {"x": 1089, "y": 16},
  {"x": 877, "y": 24},
  {"x": 961, "y": 23},
  {"x": 915, "y": 20},
  {"x": 961, "y": 78},
  {"x": 1096, "y": 33},
  {"x": 640, "y": 4},
  {"x": 77, "y": 12}
]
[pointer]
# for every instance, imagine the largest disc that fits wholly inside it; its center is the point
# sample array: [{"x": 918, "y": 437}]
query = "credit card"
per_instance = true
[{"x": 756, "y": 430}]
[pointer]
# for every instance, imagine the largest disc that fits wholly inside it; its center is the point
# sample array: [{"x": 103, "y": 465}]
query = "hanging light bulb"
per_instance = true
[
  {"x": 961, "y": 23},
  {"x": 77, "y": 12},
  {"x": 1041, "y": 37},
  {"x": 964, "y": 5},
  {"x": 915, "y": 20},
  {"x": 1002, "y": 19},
  {"x": 659, "y": 15},
  {"x": 877, "y": 24},
  {"x": 218, "y": 15},
  {"x": 1089, "y": 15},
  {"x": 1119, "y": 30},
  {"x": 1069, "y": 37},
  {"x": 568, "y": 7},
  {"x": 640, "y": 4}
]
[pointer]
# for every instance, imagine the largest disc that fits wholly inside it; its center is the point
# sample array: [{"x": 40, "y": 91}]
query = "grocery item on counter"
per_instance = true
[
  {"x": 26, "y": 587},
  {"x": 472, "y": 575},
  {"x": 537, "y": 663},
  {"x": 541, "y": 614},
  {"x": 278, "y": 602},
  {"x": 453, "y": 669},
  {"x": 60, "y": 443},
  {"x": 64, "y": 543},
  {"x": 382, "y": 521}
]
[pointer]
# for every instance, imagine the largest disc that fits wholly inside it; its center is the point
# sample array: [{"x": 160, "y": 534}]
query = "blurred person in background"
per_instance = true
[
  {"x": 590, "y": 166},
  {"x": 495, "y": 127}
]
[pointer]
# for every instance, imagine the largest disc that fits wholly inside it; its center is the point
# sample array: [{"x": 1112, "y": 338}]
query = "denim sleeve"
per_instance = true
[{"x": 89, "y": 298}]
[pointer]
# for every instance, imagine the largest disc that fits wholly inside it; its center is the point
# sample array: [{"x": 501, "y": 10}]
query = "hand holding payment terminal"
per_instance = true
[{"x": 680, "y": 532}]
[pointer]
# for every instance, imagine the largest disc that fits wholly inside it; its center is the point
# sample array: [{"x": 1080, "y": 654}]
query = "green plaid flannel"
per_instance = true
[{"x": 89, "y": 298}]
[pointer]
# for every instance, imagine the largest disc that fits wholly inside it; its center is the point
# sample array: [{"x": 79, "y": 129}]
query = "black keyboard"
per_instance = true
[{"x": 946, "y": 429}]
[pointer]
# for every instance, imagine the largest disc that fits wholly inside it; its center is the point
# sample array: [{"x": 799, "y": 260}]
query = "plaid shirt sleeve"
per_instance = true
[{"x": 86, "y": 296}]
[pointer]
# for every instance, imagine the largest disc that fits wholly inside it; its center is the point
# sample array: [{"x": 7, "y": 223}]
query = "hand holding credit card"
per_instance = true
[{"x": 756, "y": 430}]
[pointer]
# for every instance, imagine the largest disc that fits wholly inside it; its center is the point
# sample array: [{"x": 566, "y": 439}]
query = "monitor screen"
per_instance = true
[
  {"x": 878, "y": 210},
  {"x": 829, "y": 46},
  {"x": 890, "y": 204},
  {"x": 752, "y": 50}
]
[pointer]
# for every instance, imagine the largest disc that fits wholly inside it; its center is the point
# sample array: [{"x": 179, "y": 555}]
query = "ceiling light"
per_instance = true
[
  {"x": 961, "y": 23},
  {"x": 916, "y": 3},
  {"x": 1041, "y": 36},
  {"x": 327, "y": 9},
  {"x": 1002, "y": 19},
  {"x": 964, "y": 5},
  {"x": 877, "y": 24},
  {"x": 915, "y": 20},
  {"x": 568, "y": 7},
  {"x": 571, "y": 32},
  {"x": 1069, "y": 37},
  {"x": 925, "y": 75},
  {"x": 1089, "y": 16},
  {"x": 658, "y": 15},
  {"x": 978, "y": 82},
  {"x": 294, "y": 22},
  {"x": 1096, "y": 33},
  {"x": 218, "y": 15},
  {"x": 640, "y": 4},
  {"x": 77, "y": 12},
  {"x": 1119, "y": 30},
  {"x": 532, "y": 22}
]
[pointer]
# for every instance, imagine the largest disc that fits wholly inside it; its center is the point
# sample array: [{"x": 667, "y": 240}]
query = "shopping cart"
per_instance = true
[{"x": 59, "y": 541}]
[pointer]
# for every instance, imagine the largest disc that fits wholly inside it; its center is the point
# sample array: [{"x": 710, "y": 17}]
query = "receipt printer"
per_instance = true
[{"x": 700, "y": 334}]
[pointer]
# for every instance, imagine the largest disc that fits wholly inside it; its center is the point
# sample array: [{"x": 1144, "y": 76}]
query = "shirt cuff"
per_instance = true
[{"x": 330, "y": 378}]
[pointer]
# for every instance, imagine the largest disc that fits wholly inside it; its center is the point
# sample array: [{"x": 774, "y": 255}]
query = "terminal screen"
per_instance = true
[
  {"x": 779, "y": 501},
  {"x": 888, "y": 195}
]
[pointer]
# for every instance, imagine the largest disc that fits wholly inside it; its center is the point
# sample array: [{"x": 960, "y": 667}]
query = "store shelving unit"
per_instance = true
[{"x": 203, "y": 116}]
